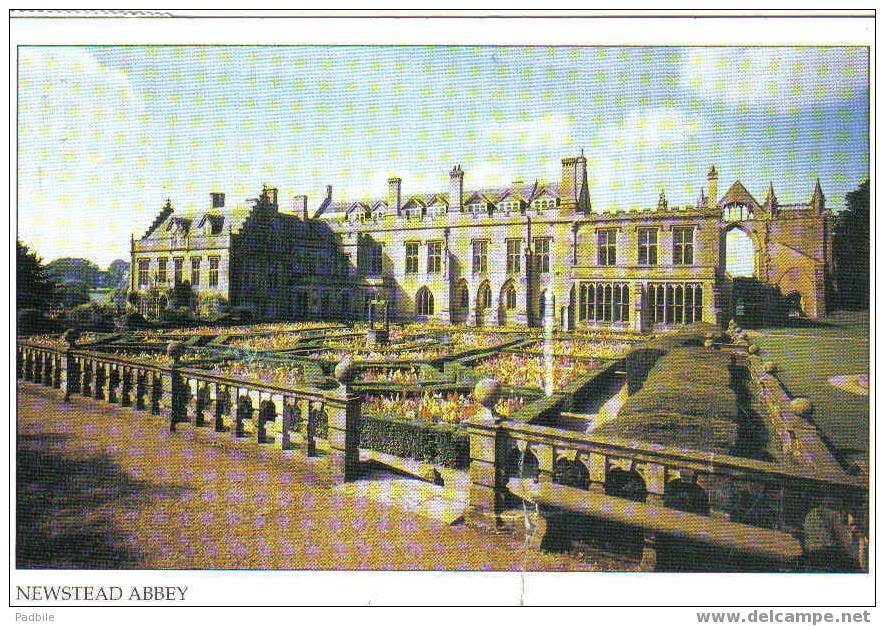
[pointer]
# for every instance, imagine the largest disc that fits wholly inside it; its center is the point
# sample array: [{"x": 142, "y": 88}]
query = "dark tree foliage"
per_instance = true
[
  {"x": 34, "y": 289},
  {"x": 851, "y": 250}
]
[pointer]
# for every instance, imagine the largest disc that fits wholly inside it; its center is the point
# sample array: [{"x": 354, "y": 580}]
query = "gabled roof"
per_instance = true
[
  {"x": 414, "y": 201},
  {"x": 738, "y": 194},
  {"x": 439, "y": 198}
]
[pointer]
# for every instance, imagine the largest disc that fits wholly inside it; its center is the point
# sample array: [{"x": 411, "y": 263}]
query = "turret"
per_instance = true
[
  {"x": 817, "y": 198},
  {"x": 713, "y": 185},
  {"x": 770, "y": 204},
  {"x": 662, "y": 201}
]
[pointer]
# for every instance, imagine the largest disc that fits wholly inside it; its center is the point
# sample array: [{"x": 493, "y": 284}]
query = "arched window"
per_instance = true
[
  {"x": 425, "y": 301},
  {"x": 510, "y": 297},
  {"x": 484, "y": 296}
]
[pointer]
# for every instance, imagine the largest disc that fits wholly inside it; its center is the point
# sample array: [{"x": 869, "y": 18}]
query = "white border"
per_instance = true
[{"x": 434, "y": 588}]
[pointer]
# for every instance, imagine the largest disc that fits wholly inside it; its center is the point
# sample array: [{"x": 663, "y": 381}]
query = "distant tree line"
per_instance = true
[{"x": 851, "y": 251}]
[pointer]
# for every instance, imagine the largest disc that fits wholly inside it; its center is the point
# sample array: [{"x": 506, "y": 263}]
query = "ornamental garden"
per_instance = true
[{"x": 692, "y": 420}]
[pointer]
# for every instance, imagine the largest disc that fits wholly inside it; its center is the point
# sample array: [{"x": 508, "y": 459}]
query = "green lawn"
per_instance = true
[{"x": 807, "y": 355}]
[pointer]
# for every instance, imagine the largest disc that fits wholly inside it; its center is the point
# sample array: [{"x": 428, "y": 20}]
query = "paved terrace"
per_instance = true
[{"x": 99, "y": 486}]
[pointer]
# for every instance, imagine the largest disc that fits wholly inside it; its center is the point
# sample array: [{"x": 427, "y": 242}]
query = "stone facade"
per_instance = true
[{"x": 514, "y": 255}]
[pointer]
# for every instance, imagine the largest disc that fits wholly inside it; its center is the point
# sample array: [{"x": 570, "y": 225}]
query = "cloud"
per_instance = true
[
  {"x": 632, "y": 158},
  {"x": 781, "y": 76},
  {"x": 550, "y": 130},
  {"x": 80, "y": 125}
]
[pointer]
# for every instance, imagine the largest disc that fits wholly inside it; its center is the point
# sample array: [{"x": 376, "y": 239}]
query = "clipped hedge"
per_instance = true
[
  {"x": 440, "y": 444},
  {"x": 687, "y": 401}
]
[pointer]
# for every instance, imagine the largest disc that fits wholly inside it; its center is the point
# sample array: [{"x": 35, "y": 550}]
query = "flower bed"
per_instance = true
[
  {"x": 282, "y": 341},
  {"x": 432, "y": 407},
  {"x": 583, "y": 348},
  {"x": 57, "y": 342},
  {"x": 525, "y": 370},
  {"x": 156, "y": 358},
  {"x": 378, "y": 356},
  {"x": 396, "y": 376},
  {"x": 283, "y": 375}
]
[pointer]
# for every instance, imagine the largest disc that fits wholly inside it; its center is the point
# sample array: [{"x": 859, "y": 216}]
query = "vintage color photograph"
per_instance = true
[{"x": 443, "y": 307}]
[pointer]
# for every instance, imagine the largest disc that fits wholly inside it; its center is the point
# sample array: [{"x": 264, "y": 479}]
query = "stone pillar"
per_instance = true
[
  {"x": 141, "y": 389},
  {"x": 156, "y": 392},
  {"x": 489, "y": 450},
  {"x": 638, "y": 313},
  {"x": 286, "y": 421},
  {"x": 38, "y": 367},
  {"x": 309, "y": 426},
  {"x": 29, "y": 365},
  {"x": 343, "y": 410},
  {"x": 72, "y": 378},
  {"x": 19, "y": 362},
  {"x": 179, "y": 399},
  {"x": 57, "y": 373}
]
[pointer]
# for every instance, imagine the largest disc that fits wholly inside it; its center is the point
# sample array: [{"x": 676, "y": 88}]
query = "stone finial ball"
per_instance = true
[
  {"x": 801, "y": 406},
  {"x": 753, "y": 349},
  {"x": 345, "y": 371},
  {"x": 175, "y": 350},
  {"x": 71, "y": 336},
  {"x": 709, "y": 343},
  {"x": 487, "y": 391},
  {"x": 770, "y": 367}
]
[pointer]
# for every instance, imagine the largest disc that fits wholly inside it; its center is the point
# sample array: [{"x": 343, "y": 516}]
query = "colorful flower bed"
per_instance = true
[
  {"x": 284, "y": 375},
  {"x": 448, "y": 408},
  {"x": 57, "y": 342},
  {"x": 156, "y": 358},
  {"x": 262, "y": 343},
  {"x": 464, "y": 341},
  {"x": 529, "y": 370},
  {"x": 377, "y": 356},
  {"x": 584, "y": 348},
  {"x": 394, "y": 376}
]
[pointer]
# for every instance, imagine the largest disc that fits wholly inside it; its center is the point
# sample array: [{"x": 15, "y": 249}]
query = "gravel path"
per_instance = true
[{"x": 99, "y": 486}]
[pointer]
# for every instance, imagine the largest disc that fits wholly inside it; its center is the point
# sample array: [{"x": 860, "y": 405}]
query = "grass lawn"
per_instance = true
[{"x": 807, "y": 355}]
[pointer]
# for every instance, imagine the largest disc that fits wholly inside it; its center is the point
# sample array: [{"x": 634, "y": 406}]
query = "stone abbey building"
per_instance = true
[{"x": 514, "y": 255}]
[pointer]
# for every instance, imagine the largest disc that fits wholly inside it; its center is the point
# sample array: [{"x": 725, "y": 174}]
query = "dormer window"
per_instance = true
[
  {"x": 477, "y": 207},
  {"x": 544, "y": 203}
]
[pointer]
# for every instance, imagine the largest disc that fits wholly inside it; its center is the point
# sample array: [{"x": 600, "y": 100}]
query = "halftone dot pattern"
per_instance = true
[
  {"x": 106, "y": 134},
  {"x": 150, "y": 505}
]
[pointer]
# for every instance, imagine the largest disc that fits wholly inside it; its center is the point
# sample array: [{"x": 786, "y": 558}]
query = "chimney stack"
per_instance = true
[
  {"x": 217, "y": 200},
  {"x": 456, "y": 189},
  {"x": 393, "y": 194},
  {"x": 574, "y": 192},
  {"x": 300, "y": 207}
]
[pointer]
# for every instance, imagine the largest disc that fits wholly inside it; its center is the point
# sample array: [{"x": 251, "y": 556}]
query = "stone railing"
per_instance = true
[
  {"x": 273, "y": 414},
  {"x": 757, "y": 493}
]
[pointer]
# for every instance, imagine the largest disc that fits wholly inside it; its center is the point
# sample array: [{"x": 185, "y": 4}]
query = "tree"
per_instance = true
[
  {"x": 34, "y": 289},
  {"x": 851, "y": 250}
]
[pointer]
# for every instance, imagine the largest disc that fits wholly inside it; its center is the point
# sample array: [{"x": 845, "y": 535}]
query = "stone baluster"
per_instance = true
[
  {"x": 113, "y": 383},
  {"x": 100, "y": 380},
  {"x": 72, "y": 371},
  {"x": 29, "y": 365},
  {"x": 126, "y": 387},
  {"x": 222, "y": 406},
  {"x": 19, "y": 362},
  {"x": 86, "y": 387},
  {"x": 156, "y": 392},
  {"x": 38, "y": 367},
  {"x": 179, "y": 389},
  {"x": 141, "y": 389},
  {"x": 203, "y": 403},
  {"x": 309, "y": 424}
]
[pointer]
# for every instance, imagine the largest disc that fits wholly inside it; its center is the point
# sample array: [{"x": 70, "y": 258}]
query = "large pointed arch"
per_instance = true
[{"x": 424, "y": 304}]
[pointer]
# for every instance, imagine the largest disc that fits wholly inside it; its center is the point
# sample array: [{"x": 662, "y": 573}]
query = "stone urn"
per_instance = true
[
  {"x": 175, "y": 350},
  {"x": 753, "y": 348},
  {"x": 71, "y": 336},
  {"x": 487, "y": 392},
  {"x": 345, "y": 370},
  {"x": 801, "y": 406}
]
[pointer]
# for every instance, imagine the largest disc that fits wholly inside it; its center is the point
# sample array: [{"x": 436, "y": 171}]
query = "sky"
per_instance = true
[{"x": 106, "y": 134}]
